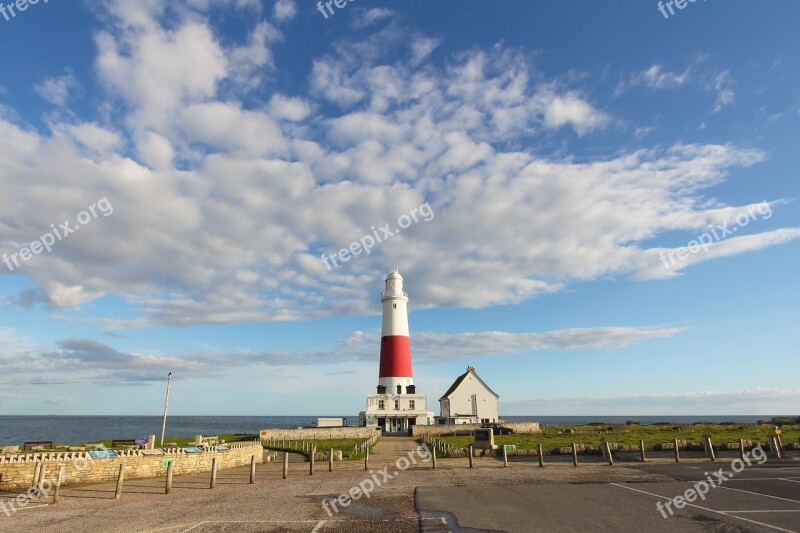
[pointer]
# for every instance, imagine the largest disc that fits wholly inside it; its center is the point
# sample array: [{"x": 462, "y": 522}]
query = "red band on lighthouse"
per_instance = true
[{"x": 395, "y": 357}]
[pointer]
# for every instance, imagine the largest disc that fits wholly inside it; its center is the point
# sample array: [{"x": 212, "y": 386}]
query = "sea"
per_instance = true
[{"x": 83, "y": 429}]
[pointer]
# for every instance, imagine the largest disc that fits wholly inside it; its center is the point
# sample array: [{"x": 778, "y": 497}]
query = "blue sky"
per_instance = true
[{"x": 572, "y": 156}]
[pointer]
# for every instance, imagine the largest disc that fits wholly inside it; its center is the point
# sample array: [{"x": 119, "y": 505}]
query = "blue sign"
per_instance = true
[
  {"x": 192, "y": 449},
  {"x": 102, "y": 454}
]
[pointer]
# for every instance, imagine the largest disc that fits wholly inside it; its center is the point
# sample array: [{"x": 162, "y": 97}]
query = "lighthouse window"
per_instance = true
[
  {"x": 399, "y": 389},
  {"x": 397, "y": 405},
  {"x": 380, "y": 404},
  {"x": 411, "y": 404},
  {"x": 394, "y": 306}
]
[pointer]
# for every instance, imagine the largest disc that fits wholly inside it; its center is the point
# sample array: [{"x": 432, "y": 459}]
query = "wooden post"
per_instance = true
[
  {"x": 434, "y": 458},
  {"x": 574, "y": 454},
  {"x": 541, "y": 456},
  {"x": 40, "y": 481},
  {"x": 213, "y": 473},
  {"x": 311, "y": 464},
  {"x": 330, "y": 461},
  {"x": 470, "y": 456},
  {"x": 252, "y": 469},
  {"x": 608, "y": 453},
  {"x": 366, "y": 460},
  {"x": 36, "y": 469},
  {"x": 677, "y": 452},
  {"x": 59, "y": 477},
  {"x": 710, "y": 449},
  {"x": 168, "y": 488},
  {"x": 641, "y": 451},
  {"x": 120, "y": 476},
  {"x": 285, "y": 465},
  {"x": 505, "y": 456}
]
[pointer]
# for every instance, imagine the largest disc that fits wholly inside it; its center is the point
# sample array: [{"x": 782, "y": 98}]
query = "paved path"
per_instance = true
[{"x": 389, "y": 449}]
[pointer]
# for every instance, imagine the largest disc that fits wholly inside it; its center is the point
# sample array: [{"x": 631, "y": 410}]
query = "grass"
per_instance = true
[
  {"x": 556, "y": 437},
  {"x": 179, "y": 441},
  {"x": 323, "y": 445}
]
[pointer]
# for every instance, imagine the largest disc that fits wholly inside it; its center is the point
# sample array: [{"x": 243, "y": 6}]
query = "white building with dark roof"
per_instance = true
[{"x": 469, "y": 400}]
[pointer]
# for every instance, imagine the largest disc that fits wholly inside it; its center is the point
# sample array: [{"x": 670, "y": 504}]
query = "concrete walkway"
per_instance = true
[{"x": 388, "y": 449}]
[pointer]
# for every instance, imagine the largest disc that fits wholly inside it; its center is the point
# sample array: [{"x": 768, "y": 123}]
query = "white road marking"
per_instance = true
[
  {"x": 789, "y": 480},
  {"x": 319, "y": 525},
  {"x": 765, "y": 511},
  {"x": 760, "y": 494},
  {"x": 708, "y": 510}
]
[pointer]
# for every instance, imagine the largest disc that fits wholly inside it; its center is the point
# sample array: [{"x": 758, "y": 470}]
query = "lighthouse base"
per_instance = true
[{"x": 396, "y": 413}]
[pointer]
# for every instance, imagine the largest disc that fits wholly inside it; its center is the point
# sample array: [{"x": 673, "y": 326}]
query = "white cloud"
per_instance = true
[
  {"x": 284, "y": 10},
  {"x": 226, "y": 193},
  {"x": 57, "y": 90},
  {"x": 366, "y": 18}
]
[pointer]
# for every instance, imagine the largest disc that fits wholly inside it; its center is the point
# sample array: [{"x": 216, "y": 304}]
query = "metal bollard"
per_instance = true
[
  {"x": 641, "y": 451},
  {"x": 213, "y": 473},
  {"x": 677, "y": 452},
  {"x": 285, "y": 465},
  {"x": 608, "y": 453},
  {"x": 330, "y": 461},
  {"x": 541, "y": 456},
  {"x": 574, "y": 454},
  {"x": 366, "y": 460},
  {"x": 120, "y": 477},
  {"x": 710, "y": 449},
  {"x": 252, "y": 469},
  {"x": 434, "y": 458},
  {"x": 505, "y": 456},
  {"x": 741, "y": 449},
  {"x": 470, "y": 456},
  {"x": 311, "y": 464}
]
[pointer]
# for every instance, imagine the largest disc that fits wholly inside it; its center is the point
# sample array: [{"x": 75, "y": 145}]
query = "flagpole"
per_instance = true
[{"x": 166, "y": 403}]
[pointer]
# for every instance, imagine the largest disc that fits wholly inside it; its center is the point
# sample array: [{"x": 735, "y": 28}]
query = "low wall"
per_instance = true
[
  {"x": 79, "y": 467},
  {"x": 437, "y": 430},
  {"x": 345, "y": 432}
]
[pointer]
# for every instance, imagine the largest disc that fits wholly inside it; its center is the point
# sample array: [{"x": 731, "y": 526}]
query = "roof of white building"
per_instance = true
[{"x": 457, "y": 383}]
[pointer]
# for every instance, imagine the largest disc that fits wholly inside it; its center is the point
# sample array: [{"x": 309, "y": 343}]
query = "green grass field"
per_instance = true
[
  {"x": 556, "y": 436},
  {"x": 323, "y": 445}
]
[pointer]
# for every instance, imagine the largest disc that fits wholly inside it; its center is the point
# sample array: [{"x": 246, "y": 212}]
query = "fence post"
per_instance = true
[
  {"x": 59, "y": 477},
  {"x": 252, "y": 469},
  {"x": 677, "y": 452},
  {"x": 213, "y": 473},
  {"x": 36, "y": 469},
  {"x": 120, "y": 476},
  {"x": 168, "y": 488},
  {"x": 574, "y": 454},
  {"x": 541, "y": 456},
  {"x": 641, "y": 451},
  {"x": 470, "y": 456},
  {"x": 608, "y": 453},
  {"x": 330, "y": 461},
  {"x": 434, "y": 458},
  {"x": 311, "y": 464},
  {"x": 741, "y": 449},
  {"x": 285, "y": 464},
  {"x": 366, "y": 460},
  {"x": 505, "y": 456},
  {"x": 710, "y": 449}
]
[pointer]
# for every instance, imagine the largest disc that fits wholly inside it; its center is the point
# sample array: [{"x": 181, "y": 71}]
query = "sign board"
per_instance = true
[
  {"x": 221, "y": 448},
  {"x": 140, "y": 441},
  {"x": 167, "y": 462},
  {"x": 102, "y": 454},
  {"x": 192, "y": 449}
]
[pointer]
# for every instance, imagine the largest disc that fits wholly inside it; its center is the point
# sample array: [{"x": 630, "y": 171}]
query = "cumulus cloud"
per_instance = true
[
  {"x": 57, "y": 90},
  {"x": 284, "y": 10},
  {"x": 227, "y": 189}
]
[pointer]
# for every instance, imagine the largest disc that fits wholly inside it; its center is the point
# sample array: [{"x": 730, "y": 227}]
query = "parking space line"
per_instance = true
[
  {"x": 319, "y": 525},
  {"x": 776, "y": 528},
  {"x": 789, "y": 480},
  {"x": 765, "y": 511},
  {"x": 760, "y": 494}
]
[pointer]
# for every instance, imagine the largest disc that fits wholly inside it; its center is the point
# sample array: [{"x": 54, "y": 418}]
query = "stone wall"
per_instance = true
[
  {"x": 519, "y": 427},
  {"x": 79, "y": 467},
  {"x": 346, "y": 432}
]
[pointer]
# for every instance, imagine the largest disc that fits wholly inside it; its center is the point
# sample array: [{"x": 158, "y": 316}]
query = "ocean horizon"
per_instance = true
[{"x": 74, "y": 429}]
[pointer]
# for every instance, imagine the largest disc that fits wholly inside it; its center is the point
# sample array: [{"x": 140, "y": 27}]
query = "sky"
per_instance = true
[{"x": 593, "y": 203}]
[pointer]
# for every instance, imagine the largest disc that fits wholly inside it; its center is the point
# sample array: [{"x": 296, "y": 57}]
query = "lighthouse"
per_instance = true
[
  {"x": 396, "y": 406},
  {"x": 395, "y": 372}
]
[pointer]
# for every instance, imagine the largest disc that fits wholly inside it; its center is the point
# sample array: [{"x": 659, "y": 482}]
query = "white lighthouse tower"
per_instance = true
[{"x": 396, "y": 406}]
